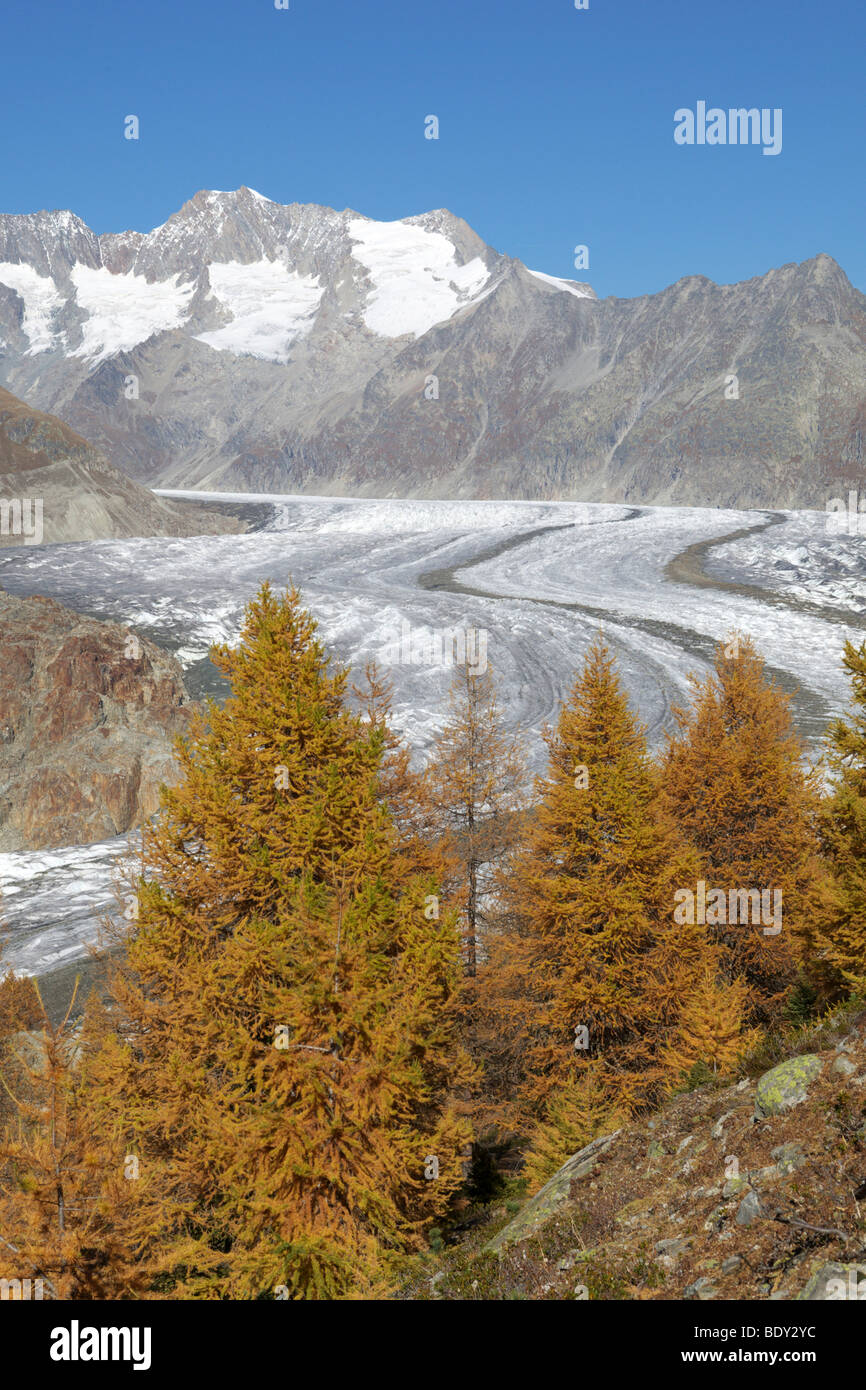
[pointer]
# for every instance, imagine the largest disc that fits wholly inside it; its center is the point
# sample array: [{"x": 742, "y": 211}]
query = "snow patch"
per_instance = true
[
  {"x": 271, "y": 307},
  {"x": 41, "y": 302},
  {"x": 125, "y": 309},
  {"x": 416, "y": 279},
  {"x": 559, "y": 284}
]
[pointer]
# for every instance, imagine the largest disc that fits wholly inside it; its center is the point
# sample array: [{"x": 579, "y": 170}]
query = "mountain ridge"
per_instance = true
[
  {"x": 294, "y": 348},
  {"x": 81, "y": 495}
]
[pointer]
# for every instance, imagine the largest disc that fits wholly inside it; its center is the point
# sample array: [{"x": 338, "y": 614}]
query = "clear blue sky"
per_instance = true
[{"x": 556, "y": 125}]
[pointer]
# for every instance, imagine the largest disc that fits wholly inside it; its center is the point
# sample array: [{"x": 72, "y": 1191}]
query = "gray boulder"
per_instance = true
[
  {"x": 543, "y": 1205},
  {"x": 786, "y": 1085}
]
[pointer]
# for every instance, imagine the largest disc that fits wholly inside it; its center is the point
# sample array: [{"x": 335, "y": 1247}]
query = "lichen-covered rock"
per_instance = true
[
  {"x": 554, "y": 1193},
  {"x": 702, "y": 1289},
  {"x": 733, "y": 1186},
  {"x": 786, "y": 1085}
]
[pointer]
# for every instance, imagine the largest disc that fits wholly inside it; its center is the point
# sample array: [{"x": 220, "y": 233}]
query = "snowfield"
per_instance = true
[
  {"x": 41, "y": 303},
  {"x": 416, "y": 281},
  {"x": 124, "y": 310},
  {"x": 269, "y": 307},
  {"x": 559, "y": 284},
  {"x": 538, "y": 578}
]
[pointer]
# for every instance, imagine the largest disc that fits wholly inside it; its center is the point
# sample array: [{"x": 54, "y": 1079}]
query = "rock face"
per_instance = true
[
  {"x": 299, "y": 349},
  {"x": 45, "y": 465},
  {"x": 88, "y": 715}
]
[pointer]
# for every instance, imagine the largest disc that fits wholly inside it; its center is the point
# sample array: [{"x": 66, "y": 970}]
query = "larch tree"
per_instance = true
[
  {"x": 20, "y": 1011},
  {"x": 836, "y": 955},
  {"x": 579, "y": 1110},
  {"x": 286, "y": 1063},
  {"x": 734, "y": 784},
  {"x": 710, "y": 1034},
  {"x": 589, "y": 970},
  {"x": 474, "y": 787},
  {"x": 400, "y": 787},
  {"x": 65, "y": 1191}
]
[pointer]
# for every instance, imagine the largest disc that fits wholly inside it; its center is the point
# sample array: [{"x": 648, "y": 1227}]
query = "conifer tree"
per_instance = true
[
  {"x": 20, "y": 1011},
  {"x": 710, "y": 1033},
  {"x": 733, "y": 783},
  {"x": 579, "y": 1110},
  {"x": 64, "y": 1191},
  {"x": 287, "y": 1065},
  {"x": 400, "y": 788},
  {"x": 473, "y": 785},
  {"x": 836, "y": 956},
  {"x": 589, "y": 968}
]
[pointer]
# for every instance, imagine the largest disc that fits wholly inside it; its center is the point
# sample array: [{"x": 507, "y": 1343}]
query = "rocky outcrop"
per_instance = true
[
  {"x": 54, "y": 486},
  {"x": 542, "y": 1206},
  {"x": 88, "y": 715}
]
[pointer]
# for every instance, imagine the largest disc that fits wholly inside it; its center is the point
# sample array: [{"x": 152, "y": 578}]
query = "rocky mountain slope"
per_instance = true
[
  {"x": 753, "y": 1190},
  {"x": 88, "y": 715},
  {"x": 246, "y": 345},
  {"x": 80, "y": 495}
]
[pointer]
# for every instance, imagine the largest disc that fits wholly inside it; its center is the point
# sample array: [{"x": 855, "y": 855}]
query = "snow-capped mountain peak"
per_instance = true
[
  {"x": 235, "y": 272},
  {"x": 248, "y": 344}
]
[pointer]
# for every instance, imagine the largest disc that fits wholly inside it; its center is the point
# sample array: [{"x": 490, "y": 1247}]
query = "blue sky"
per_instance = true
[{"x": 556, "y": 125}]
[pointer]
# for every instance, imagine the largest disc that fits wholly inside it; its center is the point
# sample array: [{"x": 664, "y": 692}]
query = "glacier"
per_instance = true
[{"x": 539, "y": 578}]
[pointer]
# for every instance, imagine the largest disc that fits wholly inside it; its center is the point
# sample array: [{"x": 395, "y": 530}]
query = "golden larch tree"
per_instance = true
[
  {"x": 286, "y": 1060},
  {"x": 836, "y": 958},
  {"x": 65, "y": 1191},
  {"x": 473, "y": 788},
  {"x": 710, "y": 1033},
  {"x": 589, "y": 970},
  {"x": 734, "y": 783}
]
